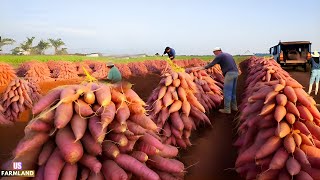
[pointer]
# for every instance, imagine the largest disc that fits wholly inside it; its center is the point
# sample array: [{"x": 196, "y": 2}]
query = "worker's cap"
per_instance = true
[
  {"x": 315, "y": 54},
  {"x": 217, "y": 49},
  {"x": 110, "y": 64}
]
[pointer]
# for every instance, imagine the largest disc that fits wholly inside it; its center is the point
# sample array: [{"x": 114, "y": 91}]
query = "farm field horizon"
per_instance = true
[{"x": 16, "y": 60}]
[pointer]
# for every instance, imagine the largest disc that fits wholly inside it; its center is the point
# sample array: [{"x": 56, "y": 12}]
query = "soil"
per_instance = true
[{"x": 212, "y": 155}]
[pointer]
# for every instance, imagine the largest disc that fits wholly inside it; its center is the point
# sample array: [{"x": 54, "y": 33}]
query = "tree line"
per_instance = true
[{"x": 27, "y": 47}]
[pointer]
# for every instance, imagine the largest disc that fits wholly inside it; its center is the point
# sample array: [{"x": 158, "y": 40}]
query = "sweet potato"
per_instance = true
[
  {"x": 186, "y": 107},
  {"x": 119, "y": 138},
  {"x": 176, "y": 121},
  {"x": 82, "y": 108},
  {"x": 54, "y": 165},
  {"x": 306, "y": 140},
  {"x": 291, "y": 108},
  {"x": 164, "y": 115},
  {"x": 305, "y": 113},
  {"x": 34, "y": 140},
  {"x": 270, "y": 146},
  {"x": 140, "y": 156},
  {"x": 110, "y": 150},
  {"x": 311, "y": 150},
  {"x": 37, "y": 125},
  {"x": 168, "y": 151},
  {"x": 70, "y": 149},
  {"x": 135, "y": 128},
  {"x": 187, "y": 122},
  {"x": 47, "y": 116},
  {"x": 290, "y": 93},
  {"x": 78, "y": 126},
  {"x": 46, "y": 101},
  {"x": 147, "y": 148},
  {"x": 63, "y": 115},
  {"x": 133, "y": 97},
  {"x": 279, "y": 113},
  {"x": 149, "y": 139},
  {"x": 165, "y": 164},
  {"x": 123, "y": 112},
  {"x": 293, "y": 166},
  {"x": 90, "y": 145},
  {"x": 167, "y": 99},
  {"x": 312, "y": 161},
  {"x": 301, "y": 127},
  {"x": 290, "y": 118},
  {"x": 162, "y": 92},
  {"x": 313, "y": 172},
  {"x": 96, "y": 129},
  {"x": 302, "y": 97},
  {"x": 270, "y": 96},
  {"x": 193, "y": 101},
  {"x": 297, "y": 139},
  {"x": 84, "y": 173},
  {"x": 303, "y": 176},
  {"x": 283, "y": 129},
  {"x": 289, "y": 143},
  {"x": 281, "y": 99},
  {"x": 314, "y": 129},
  {"x": 144, "y": 121},
  {"x": 108, "y": 114},
  {"x": 131, "y": 164},
  {"x": 314, "y": 111},
  {"x": 91, "y": 162},
  {"x": 103, "y": 95},
  {"x": 46, "y": 151},
  {"x": 116, "y": 127},
  {"x": 279, "y": 159},
  {"x": 137, "y": 108},
  {"x": 175, "y": 106},
  {"x": 301, "y": 157},
  {"x": 267, "y": 108},
  {"x": 40, "y": 173},
  {"x": 89, "y": 97},
  {"x": 182, "y": 94},
  {"x": 112, "y": 171},
  {"x": 69, "y": 171}
]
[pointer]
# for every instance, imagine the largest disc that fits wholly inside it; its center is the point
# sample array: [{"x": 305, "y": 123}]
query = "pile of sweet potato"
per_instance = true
[
  {"x": 279, "y": 133},
  {"x": 95, "y": 131},
  {"x": 7, "y": 74},
  {"x": 175, "y": 109},
  {"x": 18, "y": 96},
  {"x": 35, "y": 71}
]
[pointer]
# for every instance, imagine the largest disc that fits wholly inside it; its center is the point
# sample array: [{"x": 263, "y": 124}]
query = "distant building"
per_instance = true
[{"x": 94, "y": 55}]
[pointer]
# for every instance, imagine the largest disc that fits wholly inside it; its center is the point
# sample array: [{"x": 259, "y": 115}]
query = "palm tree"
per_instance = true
[
  {"x": 6, "y": 41},
  {"x": 56, "y": 44},
  {"x": 27, "y": 45},
  {"x": 42, "y": 46}
]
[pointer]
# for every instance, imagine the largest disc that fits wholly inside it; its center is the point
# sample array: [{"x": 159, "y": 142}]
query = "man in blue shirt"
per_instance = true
[
  {"x": 171, "y": 53},
  {"x": 230, "y": 71},
  {"x": 315, "y": 72}
]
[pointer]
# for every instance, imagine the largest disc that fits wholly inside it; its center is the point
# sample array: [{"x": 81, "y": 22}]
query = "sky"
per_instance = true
[{"x": 191, "y": 27}]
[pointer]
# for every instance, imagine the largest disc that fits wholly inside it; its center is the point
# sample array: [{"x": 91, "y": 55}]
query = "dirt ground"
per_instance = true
[{"x": 212, "y": 155}]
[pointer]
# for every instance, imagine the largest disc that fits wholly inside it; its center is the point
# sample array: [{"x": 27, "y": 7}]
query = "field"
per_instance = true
[
  {"x": 16, "y": 60},
  {"x": 212, "y": 154}
]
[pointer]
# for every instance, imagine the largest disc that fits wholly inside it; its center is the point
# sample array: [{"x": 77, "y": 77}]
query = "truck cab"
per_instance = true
[{"x": 293, "y": 53}]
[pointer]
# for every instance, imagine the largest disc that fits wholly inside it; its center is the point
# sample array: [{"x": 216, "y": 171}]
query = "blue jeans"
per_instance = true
[
  {"x": 315, "y": 76},
  {"x": 230, "y": 89}
]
